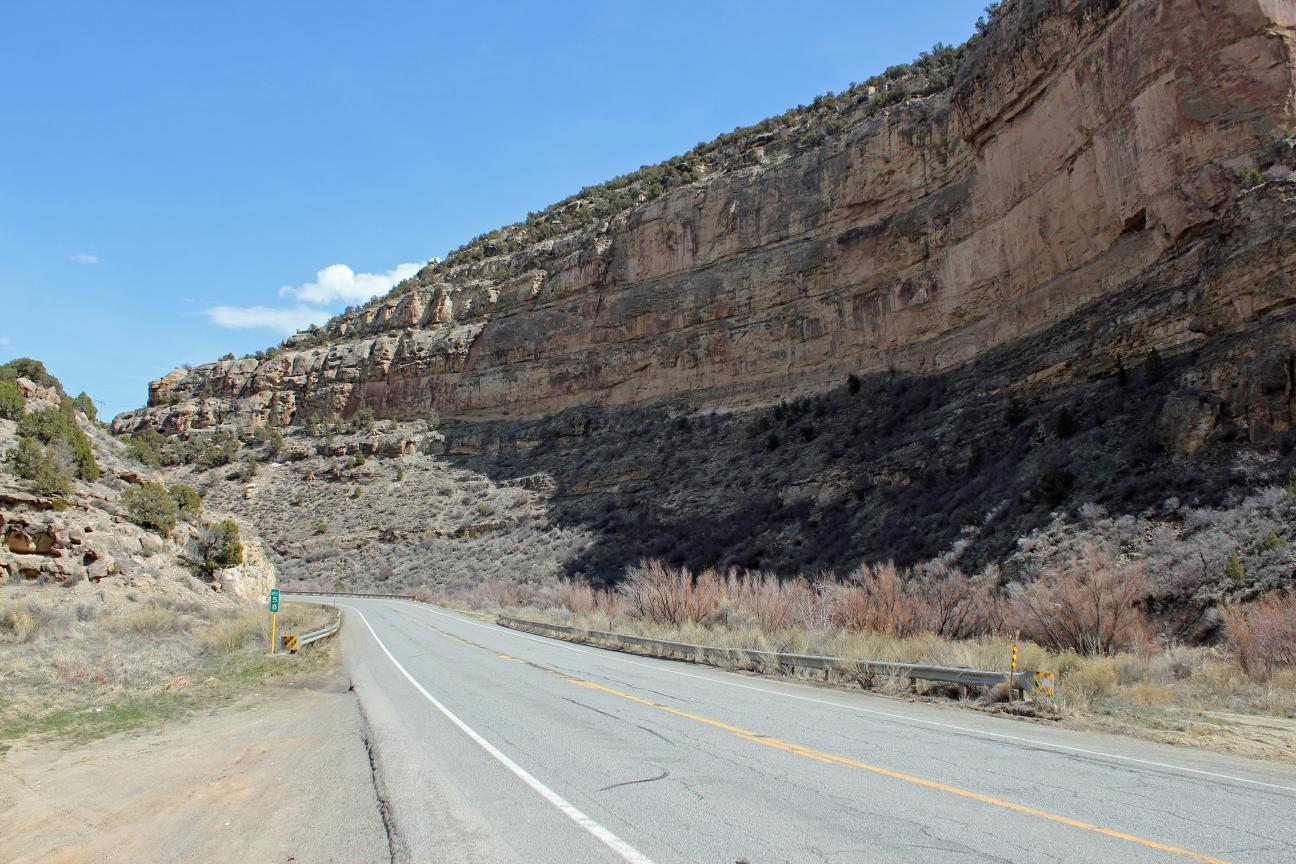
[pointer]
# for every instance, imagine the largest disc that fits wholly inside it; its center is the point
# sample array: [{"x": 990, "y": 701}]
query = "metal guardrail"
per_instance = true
[
  {"x": 1027, "y": 681},
  {"x": 346, "y": 594},
  {"x": 319, "y": 633}
]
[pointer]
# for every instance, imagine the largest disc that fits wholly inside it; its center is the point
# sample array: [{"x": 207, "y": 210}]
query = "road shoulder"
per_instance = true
[{"x": 281, "y": 775}]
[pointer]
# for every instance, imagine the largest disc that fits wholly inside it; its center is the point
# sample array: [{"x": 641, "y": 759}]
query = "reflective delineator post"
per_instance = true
[{"x": 1012, "y": 678}]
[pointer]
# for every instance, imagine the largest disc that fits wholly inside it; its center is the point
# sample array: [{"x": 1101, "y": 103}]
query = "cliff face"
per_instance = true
[{"x": 1084, "y": 145}]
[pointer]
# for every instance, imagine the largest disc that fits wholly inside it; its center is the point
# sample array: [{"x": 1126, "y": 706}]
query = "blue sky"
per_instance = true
[{"x": 159, "y": 161}]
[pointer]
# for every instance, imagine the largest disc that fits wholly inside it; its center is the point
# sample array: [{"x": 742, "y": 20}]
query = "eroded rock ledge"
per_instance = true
[{"x": 1083, "y": 142}]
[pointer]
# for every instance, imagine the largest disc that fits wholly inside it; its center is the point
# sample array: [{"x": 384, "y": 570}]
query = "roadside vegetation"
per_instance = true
[{"x": 75, "y": 668}]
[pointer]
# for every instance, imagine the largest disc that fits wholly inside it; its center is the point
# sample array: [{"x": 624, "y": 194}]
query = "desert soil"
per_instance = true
[{"x": 282, "y": 775}]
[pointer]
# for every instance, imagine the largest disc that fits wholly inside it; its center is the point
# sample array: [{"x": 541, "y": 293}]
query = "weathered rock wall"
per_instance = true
[{"x": 1081, "y": 141}]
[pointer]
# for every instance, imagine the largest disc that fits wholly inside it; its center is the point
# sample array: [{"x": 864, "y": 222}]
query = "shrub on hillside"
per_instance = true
[
  {"x": 1053, "y": 487},
  {"x": 11, "y": 400},
  {"x": 59, "y": 425},
  {"x": 1089, "y": 604},
  {"x": 151, "y": 506},
  {"x": 187, "y": 500},
  {"x": 48, "y": 468},
  {"x": 220, "y": 546},
  {"x": 86, "y": 406},
  {"x": 1262, "y": 634},
  {"x": 32, "y": 370}
]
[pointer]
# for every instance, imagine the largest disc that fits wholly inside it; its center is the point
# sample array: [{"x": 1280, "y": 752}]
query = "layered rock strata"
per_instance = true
[{"x": 1082, "y": 143}]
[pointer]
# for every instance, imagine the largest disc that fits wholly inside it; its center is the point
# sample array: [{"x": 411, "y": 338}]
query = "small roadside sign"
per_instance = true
[{"x": 274, "y": 599}]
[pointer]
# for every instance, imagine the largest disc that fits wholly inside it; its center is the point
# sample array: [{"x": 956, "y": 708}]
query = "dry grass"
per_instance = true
[
  {"x": 150, "y": 620},
  {"x": 74, "y": 665},
  {"x": 16, "y": 623}
]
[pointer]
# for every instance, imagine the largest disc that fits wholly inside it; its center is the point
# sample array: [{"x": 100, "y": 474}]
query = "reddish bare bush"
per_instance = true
[
  {"x": 668, "y": 596},
  {"x": 1089, "y": 604},
  {"x": 487, "y": 594},
  {"x": 881, "y": 598},
  {"x": 1262, "y": 634},
  {"x": 577, "y": 597},
  {"x": 774, "y": 604},
  {"x": 611, "y": 605},
  {"x": 423, "y": 595}
]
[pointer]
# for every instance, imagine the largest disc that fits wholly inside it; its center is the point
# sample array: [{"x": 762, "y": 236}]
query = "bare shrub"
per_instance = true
[
  {"x": 577, "y": 597},
  {"x": 885, "y": 599},
  {"x": 1262, "y": 634},
  {"x": 669, "y": 596},
  {"x": 1088, "y": 604},
  {"x": 774, "y": 604}
]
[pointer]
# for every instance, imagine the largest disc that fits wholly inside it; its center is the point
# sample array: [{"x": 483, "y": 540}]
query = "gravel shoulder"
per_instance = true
[{"x": 281, "y": 775}]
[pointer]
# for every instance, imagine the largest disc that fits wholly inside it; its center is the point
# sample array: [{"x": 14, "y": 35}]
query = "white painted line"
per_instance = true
[
  {"x": 613, "y": 842},
  {"x": 611, "y": 654}
]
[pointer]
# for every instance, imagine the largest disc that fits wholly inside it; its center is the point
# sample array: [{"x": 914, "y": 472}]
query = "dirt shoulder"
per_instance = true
[{"x": 280, "y": 775}]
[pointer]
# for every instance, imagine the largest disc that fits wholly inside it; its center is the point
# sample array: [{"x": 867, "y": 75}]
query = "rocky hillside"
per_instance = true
[
  {"x": 1036, "y": 288},
  {"x": 69, "y": 514}
]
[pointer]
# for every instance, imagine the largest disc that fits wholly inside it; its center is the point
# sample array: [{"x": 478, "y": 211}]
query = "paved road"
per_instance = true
[{"x": 493, "y": 745}]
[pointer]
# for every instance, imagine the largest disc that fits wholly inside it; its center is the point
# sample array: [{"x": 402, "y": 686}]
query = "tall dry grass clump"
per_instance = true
[
  {"x": 1262, "y": 634},
  {"x": 1090, "y": 605},
  {"x": 149, "y": 620},
  {"x": 17, "y": 624},
  {"x": 237, "y": 631}
]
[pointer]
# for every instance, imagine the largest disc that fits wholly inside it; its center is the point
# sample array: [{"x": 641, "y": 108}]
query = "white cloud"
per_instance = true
[
  {"x": 84, "y": 258},
  {"x": 288, "y": 320},
  {"x": 334, "y": 284},
  {"x": 339, "y": 282}
]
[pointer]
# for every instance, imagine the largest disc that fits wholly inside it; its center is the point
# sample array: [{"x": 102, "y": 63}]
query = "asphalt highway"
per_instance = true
[{"x": 491, "y": 745}]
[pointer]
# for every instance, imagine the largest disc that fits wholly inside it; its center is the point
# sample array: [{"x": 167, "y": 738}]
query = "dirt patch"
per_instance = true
[
  {"x": 1268, "y": 738},
  {"x": 280, "y": 775}
]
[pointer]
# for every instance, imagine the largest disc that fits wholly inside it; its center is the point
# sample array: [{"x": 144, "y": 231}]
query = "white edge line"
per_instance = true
[
  {"x": 611, "y": 654},
  {"x": 613, "y": 842}
]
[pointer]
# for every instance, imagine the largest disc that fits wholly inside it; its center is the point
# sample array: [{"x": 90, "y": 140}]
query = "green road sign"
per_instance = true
[{"x": 274, "y": 599}]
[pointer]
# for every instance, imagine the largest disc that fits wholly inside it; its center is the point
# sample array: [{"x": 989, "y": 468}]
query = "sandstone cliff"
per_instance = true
[{"x": 1081, "y": 143}]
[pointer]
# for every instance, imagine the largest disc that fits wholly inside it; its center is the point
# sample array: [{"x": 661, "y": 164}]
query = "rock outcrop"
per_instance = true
[{"x": 1081, "y": 144}]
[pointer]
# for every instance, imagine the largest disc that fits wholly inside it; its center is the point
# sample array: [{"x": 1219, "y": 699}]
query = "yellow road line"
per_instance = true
[{"x": 833, "y": 759}]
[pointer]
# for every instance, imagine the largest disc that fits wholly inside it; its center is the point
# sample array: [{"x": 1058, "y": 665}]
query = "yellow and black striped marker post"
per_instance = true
[
  {"x": 1044, "y": 683},
  {"x": 290, "y": 643},
  {"x": 1012, "y": 680}
]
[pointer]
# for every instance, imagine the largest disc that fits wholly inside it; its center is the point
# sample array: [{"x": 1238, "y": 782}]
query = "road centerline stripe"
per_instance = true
[
  {"x": 834, "y": 759},
  {"x": 616, "y": 844},
  {"x": 811, "y": 753}
]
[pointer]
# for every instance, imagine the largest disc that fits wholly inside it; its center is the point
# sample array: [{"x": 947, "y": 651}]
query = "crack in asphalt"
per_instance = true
[
  {"x": 395, "y": 845},
  {"x": 656, "y": 734},
  {"x": 592, "y": 708},
  {"x": 661, "y": 776}
]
